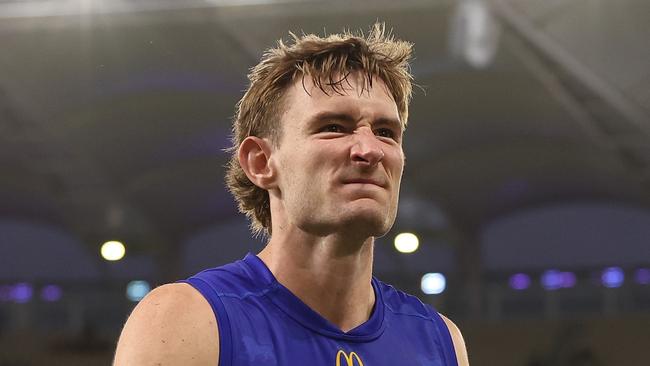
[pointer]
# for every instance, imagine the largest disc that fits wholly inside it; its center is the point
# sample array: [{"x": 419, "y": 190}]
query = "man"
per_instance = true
[{"x": 316, "y": 165}]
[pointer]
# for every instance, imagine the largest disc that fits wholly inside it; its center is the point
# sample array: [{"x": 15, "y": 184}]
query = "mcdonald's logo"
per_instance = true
[{"x": 349, "y": 359}]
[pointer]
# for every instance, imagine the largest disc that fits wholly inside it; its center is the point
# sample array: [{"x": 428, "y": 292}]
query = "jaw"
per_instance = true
[
  {"x": 362, "y": 218},
  {"x": 339, "y": 210}
]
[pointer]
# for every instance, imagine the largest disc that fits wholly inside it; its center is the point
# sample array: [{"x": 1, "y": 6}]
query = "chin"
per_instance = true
[{"x": 371, "y": 222}]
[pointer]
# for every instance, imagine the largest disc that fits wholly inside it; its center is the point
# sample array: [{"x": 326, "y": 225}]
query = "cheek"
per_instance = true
[
  {"x": 302, "y": 168},
  {"x": 396, "y": 160}
]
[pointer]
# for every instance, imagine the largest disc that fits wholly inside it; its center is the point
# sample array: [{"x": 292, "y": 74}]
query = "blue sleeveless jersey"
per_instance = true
[{"x": 262, "y": 323}]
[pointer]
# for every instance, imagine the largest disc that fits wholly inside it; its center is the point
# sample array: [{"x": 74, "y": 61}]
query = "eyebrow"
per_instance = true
[{"x": 345, "y": 117}]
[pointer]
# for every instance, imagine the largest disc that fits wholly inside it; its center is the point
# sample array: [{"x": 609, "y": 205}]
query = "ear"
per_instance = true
[{"x": 254, "y": 157}]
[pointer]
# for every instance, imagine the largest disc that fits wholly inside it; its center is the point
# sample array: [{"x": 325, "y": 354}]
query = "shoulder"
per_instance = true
[
  {"x": 232, "y": 279},
  {"x": 400, "y": 302},
  {"x": 173, "y": 324},
  {"x": 403, "y": 303},
  {"x": 459, "y": 342}
]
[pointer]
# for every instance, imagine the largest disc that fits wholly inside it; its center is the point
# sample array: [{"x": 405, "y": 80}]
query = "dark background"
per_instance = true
[{"x": 528, "y": 150}]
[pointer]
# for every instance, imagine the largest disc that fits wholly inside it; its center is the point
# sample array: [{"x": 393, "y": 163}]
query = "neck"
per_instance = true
[{"x": 311, "y": 267}]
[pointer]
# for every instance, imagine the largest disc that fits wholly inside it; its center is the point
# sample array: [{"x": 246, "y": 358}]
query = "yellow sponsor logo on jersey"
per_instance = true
[{"x": 349, "y": 359}]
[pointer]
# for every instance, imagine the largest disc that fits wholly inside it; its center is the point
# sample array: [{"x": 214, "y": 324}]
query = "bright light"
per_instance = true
[
  {"x": 555, "y": 280},
  {"x": 474, "y": 34},
  {"x": 612, "y": 277},
  {"x": 22, "y": 293},
  {"x": 406, "y": 243},
  {"x": 136, "y": 290},
  {"x": 552, "y": 279},
  {"x": 519, "y": 281},
  {"x": 113, "y": 251},
  {"x": 433, "y": 283}
]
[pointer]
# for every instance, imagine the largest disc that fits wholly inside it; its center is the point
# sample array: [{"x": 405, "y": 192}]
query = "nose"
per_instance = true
[{"x": 367, "y": 150}]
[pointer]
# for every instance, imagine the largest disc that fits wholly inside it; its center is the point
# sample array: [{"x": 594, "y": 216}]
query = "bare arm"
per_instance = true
[
  {"x": 459, "y": 342},
  {"x": 172, "y": 325}
]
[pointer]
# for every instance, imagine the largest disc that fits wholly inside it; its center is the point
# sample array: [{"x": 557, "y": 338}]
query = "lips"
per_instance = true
[{"x": 365, "y": 181}]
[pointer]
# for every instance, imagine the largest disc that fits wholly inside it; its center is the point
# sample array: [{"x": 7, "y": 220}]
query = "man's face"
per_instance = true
[{"x": 340, "y": 159}]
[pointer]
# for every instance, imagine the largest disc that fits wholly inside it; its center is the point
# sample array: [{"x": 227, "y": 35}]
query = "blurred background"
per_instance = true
[{"x": 525, "y": 206}]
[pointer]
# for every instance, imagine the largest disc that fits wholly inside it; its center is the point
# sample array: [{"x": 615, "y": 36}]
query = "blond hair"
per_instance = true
[{"x": 328, "y": 61}]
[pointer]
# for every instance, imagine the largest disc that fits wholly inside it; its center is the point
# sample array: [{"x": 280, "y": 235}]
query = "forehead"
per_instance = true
[{"x": 304, "y": 99}]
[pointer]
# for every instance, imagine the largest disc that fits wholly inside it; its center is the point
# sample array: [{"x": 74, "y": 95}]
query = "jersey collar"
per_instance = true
[{"x": 291, "y": 305}]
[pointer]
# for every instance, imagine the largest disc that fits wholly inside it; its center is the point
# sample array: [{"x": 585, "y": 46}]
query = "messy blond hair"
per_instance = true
[{"x": 327, "y": 62}]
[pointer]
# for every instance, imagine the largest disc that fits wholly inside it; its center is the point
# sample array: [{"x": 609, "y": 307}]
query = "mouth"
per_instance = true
[{"x": 365, "y": 181}]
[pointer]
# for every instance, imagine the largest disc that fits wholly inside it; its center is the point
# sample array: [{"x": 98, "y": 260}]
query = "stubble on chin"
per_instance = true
[{"x": 366, "y": 222}]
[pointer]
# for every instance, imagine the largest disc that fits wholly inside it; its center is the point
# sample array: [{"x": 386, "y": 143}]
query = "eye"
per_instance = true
[
  {"x": 332, "y": 128},
  {"x": 385, "y": 132}
]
